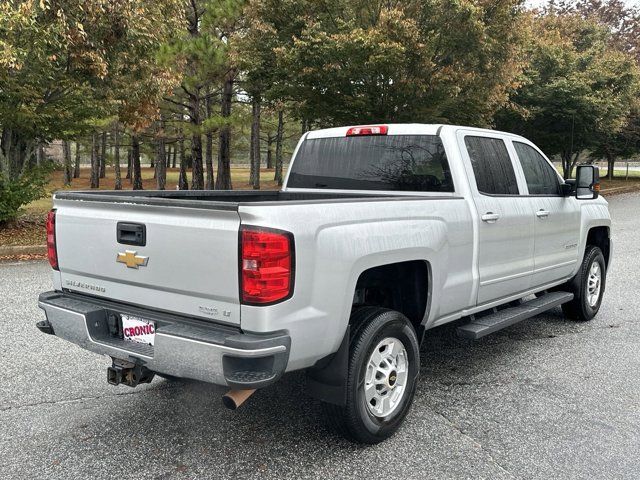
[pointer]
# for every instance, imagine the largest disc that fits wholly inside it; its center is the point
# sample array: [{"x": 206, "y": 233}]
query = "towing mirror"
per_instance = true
[{"x": 587, "y": 182}]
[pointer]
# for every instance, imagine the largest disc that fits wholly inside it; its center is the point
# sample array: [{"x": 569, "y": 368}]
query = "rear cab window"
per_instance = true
[
  {"x": 492, "y": 166},
  {"x": 414, "y": 163}
]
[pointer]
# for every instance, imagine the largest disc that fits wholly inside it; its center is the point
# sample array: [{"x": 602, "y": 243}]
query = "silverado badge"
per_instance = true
[{"x": 131, "y": 260}]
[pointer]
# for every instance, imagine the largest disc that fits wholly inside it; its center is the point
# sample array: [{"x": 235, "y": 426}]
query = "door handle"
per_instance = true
[
  {"x": 542, "y": 213},
  {"x": 490, "y": 217}
]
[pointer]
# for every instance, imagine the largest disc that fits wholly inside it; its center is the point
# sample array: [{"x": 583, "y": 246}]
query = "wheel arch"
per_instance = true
[
  {"x": 404, "y": 286},
  {"x": 599, "y": 236}
]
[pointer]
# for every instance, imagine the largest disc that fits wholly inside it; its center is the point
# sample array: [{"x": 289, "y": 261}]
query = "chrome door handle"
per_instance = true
[
  {"x": 490, "y": 217},
  {"x": 542, "y": 213}
]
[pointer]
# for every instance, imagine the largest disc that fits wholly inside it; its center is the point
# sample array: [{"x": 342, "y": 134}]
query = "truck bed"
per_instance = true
[{"x": 218, "y": 199}]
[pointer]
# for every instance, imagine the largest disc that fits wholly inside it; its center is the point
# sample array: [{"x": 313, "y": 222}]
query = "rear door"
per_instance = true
[
  {"x": 505, "y": 219},
  {"x": 187, "y": 262},
  {"x": 557, "y": 218}
]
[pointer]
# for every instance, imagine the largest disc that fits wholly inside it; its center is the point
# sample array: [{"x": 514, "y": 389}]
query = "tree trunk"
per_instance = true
[
  {"x": 103, "y": 155},
  {"x": 183, "y": 184},
  {"x": 169, "y": 153},
  {"x": 40, "y": 154},
  {"x": 611, "y": 165},
  {"x": 255, "y": 143},
  {"x": 197, "y": 175},
  {"x": 223, "y": 178},
  {"x": 129, "y": 157},
  {"x": 76, "y": 169},
  {"x": 280, "y": 133},
  {"x": 161, "y": 159},
  {"x": 95, "y": 162},
  {"x": 66, "y": 150},
  {"x": 569, "y": 161},
  {"x": 175, "y": 155},
  {"x": 116, "y": 156},
  {"x": 135, "y": 162},
  {"x": 16, "y": 154},
  {"x": 208, "y": 158},
  {"x": 270, "y": 140}
]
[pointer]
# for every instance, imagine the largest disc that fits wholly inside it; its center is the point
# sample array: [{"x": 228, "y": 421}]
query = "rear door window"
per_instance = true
[
  {"x": 541, "y": 177},
  {"x": 415, "y": 163},
  {"x": 492, "y": 166}
]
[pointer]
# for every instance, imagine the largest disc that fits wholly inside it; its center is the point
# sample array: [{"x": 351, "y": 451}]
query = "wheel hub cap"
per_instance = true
[
  {"x": 386, "y": 377},
  {"x": 594, "y": 282}
]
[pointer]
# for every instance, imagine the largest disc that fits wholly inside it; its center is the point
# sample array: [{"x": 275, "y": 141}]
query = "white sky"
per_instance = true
[{"x": 537, "y": 3}]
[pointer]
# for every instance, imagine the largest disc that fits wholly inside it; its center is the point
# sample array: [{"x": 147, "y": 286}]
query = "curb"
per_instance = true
[
  {"x": 22, "y": 250},
  {"x": 620, "y": 190}
]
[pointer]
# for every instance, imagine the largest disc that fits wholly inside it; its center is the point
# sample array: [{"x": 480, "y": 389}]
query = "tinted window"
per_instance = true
[
  {"x": 491, "y": 166},
  {"x": 415, "y": 163},
  {"x": 541, "y": 177}
]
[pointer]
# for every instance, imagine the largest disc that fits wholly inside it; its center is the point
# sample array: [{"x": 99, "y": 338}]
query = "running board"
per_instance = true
[{"x": 479, "y": 327}]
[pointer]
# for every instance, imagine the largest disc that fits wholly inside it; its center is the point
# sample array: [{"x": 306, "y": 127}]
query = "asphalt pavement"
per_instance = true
[{"x": 547, "y": 398}]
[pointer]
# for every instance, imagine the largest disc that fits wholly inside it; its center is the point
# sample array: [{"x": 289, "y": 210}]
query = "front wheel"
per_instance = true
[
  {"x": 382, "y": 374},
  {"x": 587, "y": 286}
]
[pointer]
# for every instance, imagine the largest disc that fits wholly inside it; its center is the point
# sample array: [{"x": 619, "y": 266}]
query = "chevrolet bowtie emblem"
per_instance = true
[{"x": 131, "y": 260}]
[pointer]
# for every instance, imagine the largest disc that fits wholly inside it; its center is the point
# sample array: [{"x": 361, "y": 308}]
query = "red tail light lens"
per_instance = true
[
  {"x": 266, "y": 265},
  {"x": 368, "y": 130},
  {"x": 51, "y": 239}
]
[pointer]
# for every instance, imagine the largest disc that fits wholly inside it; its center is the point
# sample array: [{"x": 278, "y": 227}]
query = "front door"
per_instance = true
[
  {"x": 505, "y": 219},
  {"x": 557, "y": 218}
]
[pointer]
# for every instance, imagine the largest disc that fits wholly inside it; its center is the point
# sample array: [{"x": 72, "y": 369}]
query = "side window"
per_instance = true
[
  {"x": 492, "y": 166},
  {"x": 541, "y": 177}
]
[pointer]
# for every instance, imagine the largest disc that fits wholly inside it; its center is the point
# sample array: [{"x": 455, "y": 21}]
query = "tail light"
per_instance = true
[
  {"x": 367, "y": 130},
  {"x": 266, "y": 265},
  {"x": 52, "y": 252}
]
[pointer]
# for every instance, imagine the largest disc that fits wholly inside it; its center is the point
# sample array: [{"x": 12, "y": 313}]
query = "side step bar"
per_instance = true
[{"x": 479, "y": 327}]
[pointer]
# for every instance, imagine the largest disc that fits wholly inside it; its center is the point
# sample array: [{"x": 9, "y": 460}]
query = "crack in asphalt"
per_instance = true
[
  {"x": 476, "y": 442},
  {"x": 64, "y": 401}
]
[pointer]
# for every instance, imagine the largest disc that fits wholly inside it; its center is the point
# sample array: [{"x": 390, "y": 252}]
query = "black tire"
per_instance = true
[
  {"x": 579, "y": 308},
  {"x": 370, "y": 326}
]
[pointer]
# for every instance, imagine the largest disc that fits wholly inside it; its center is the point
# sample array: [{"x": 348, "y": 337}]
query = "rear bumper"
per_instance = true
[{"x": 183, "y": 347}]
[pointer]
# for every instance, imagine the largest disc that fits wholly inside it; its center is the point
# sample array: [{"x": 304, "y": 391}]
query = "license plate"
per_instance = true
[{"x": 139, "y": 330}]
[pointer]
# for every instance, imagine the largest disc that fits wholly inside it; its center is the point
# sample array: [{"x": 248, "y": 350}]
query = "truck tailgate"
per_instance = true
[{"x": 191, "y": 264}]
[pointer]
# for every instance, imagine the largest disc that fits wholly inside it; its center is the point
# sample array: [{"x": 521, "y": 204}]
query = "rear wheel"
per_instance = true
[
  {"x": 587, "y": 286},
  {"x": 382, "y": 374}
]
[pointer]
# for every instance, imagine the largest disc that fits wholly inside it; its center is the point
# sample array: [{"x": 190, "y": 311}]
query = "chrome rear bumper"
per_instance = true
[{"x": 183, "y": 347}]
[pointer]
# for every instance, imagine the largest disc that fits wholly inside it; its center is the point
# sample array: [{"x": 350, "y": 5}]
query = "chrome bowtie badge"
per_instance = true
[{"x": 131, "y": 260}]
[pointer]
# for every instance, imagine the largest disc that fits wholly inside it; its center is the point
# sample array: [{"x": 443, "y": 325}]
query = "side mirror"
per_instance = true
[{"x": 587, "y": 182}]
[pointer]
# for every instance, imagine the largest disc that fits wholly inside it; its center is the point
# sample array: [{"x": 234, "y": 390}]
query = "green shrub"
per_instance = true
[{"x": 28, "y": 187}]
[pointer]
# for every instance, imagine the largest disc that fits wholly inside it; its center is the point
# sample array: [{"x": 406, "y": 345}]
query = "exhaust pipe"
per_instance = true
[{"x": 233, "y": 399}]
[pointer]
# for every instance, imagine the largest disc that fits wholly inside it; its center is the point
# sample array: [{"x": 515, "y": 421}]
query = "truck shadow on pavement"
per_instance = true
[
  {"x": 182, "y": 426},
  {"x": 283, "y": 415}
]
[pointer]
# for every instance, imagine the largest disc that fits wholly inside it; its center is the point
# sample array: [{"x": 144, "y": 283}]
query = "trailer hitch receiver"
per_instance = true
[{"x": 128, "y": 373}]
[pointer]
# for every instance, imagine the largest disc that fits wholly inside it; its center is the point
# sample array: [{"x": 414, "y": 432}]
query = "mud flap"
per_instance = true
[{"x": 327, "y": 380}]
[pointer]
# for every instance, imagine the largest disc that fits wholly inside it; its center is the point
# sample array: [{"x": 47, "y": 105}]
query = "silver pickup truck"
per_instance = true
[{"x": 380, "y": 234}]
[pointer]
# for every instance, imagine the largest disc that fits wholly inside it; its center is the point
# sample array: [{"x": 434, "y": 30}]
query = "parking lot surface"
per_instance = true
[{"x": 547, "y": 398}]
